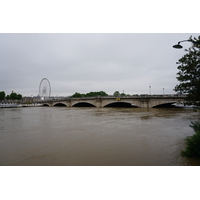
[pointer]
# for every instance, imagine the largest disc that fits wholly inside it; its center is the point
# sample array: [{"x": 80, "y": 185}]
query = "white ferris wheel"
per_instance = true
[{"x": 44, "y": 89}]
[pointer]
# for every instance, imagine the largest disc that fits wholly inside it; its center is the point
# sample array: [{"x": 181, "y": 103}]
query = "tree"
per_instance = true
[
  {"x": 189, "y": 78},
  {"x": 2, "y": 95},
  {"x": 7, "y": 97},
  {"x": 116, "y": 94},
  {"x": 19, "y": 97},
  {"x": 14, "y": 96},
  {"x": 77, "y": 95},
  {"x": 102, "y": 93},
  {"x": 90, "y": 94},
  {"x": 94, "y": 94},
  {"x": 189, "y": 74}
]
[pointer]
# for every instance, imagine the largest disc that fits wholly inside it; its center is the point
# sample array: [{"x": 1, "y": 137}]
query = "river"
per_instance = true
[{"x": 60, "y": 136}]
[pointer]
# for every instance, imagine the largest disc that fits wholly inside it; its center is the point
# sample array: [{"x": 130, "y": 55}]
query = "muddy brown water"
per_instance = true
[{"x": 60, "y": 136}]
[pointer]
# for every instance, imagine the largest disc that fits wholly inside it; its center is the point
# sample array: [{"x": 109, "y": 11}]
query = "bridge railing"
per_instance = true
[{"x": 113, "y": 97}]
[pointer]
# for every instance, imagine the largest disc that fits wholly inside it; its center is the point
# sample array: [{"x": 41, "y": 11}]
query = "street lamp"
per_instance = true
[
  {"x": 150, "y": 90},
  {"x": 178, "y": 46}
]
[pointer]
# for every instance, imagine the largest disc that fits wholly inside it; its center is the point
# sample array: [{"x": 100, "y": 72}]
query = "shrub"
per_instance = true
[{"x": 193, "y": 142}]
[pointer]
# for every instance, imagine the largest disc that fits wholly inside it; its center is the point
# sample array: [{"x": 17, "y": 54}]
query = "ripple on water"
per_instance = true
[{"x": 95, "y": 136}]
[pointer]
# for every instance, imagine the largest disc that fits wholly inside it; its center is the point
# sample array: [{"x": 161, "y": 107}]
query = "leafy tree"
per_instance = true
[
  {"x": 189, "y": 78},
  {"x": 19, "y": 97},
  {"x": 189, "y": 74},
  {"x": 90, "y": 94},
  {"x": 116, "y": 94},
  {"x": 102, "y": 93},
  {"x": 7, "y": 97},
  {"x": 14, "y": 96},
  {"x": 2, "y": 95},
  {"x": 77, "y": 95},
  {"x": 94, "y": 94}
]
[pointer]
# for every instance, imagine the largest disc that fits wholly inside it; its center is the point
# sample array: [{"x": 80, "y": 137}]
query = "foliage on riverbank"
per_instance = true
[
  {"x": 12, "y": 96},
  {"x": 193, "y": 142},
  {"x": 90, "y": 94},
  {"x": 101, "y": 93},
  {"x": 2, "y": 95}
]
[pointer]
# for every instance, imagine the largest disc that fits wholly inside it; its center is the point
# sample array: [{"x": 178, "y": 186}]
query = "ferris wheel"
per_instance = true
[{"x": 44, "y": 88}]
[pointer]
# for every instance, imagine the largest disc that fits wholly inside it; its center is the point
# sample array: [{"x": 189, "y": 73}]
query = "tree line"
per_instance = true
[
  {"x": 94, "y": 94},
  {"x": 12, "y": 96},
  {"x": 90, "y": 94}
]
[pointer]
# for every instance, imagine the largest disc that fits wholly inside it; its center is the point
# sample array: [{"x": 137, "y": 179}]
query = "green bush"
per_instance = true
[
  {"x": 90, "y": 94},
  {"x": 2, "y": 95},
  {"x": 193, "y": 142}
]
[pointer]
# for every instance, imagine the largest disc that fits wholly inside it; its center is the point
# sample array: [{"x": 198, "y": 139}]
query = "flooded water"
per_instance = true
[{"x": 60, "y": 136}]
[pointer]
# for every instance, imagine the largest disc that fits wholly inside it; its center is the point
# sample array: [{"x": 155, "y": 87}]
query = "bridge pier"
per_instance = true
[
  {"x": 144, "y": 103},
  {"x": 98, "y": 103}
]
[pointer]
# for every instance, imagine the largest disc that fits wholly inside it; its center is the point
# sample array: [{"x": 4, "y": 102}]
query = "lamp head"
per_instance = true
[{"x": 177, "y": 46}]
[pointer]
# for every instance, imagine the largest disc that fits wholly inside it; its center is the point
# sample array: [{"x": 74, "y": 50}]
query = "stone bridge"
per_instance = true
[{"x": 146, "y": 101}]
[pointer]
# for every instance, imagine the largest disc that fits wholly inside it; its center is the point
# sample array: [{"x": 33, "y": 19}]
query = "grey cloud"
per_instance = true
[{"x": 89, "y": 62}]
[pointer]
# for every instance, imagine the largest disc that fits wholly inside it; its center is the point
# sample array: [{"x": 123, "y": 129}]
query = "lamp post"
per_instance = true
[
  {"x": 150, "y": 90},
  {"x": 178, "y": 46}
]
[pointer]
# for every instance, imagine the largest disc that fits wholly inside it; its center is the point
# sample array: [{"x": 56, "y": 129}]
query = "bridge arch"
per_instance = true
[
  {"x": 45, "y": 104},
  {"x": 60, "y": 104},
  {"x": 164, "y": 105},
  {"x": 120, "y": 105},
  {"x": 83, "y": 104},
  {"x": 160, "y": 104}
]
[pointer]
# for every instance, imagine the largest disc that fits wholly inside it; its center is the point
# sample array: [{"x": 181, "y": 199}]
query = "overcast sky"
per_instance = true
[{"x": 90, "y": 62}]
